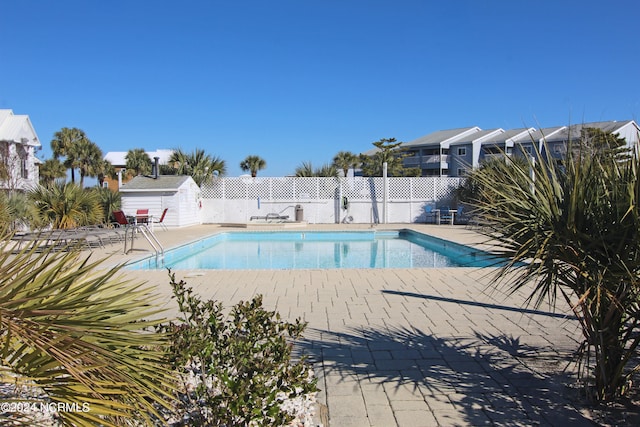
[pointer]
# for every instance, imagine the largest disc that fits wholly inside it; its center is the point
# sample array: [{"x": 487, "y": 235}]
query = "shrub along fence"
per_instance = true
[{"x": 325, "y": 200}]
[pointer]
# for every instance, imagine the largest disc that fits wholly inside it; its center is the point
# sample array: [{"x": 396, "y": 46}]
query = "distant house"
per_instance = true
[
  {"x": 178, "y": 193},
  {"x": 453, "y": 152},
  {"x": 18, "y": 145},
  {"x": 118, "y": 160}
]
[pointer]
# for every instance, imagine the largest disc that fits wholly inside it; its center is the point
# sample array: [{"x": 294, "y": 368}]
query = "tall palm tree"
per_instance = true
[
  {"x": 50, "y": 170},
  {"x": 346, "y": 160},
  {"x": 138, "y": 162},
  {"x": 86, "y": 156},
  {"x": 253, "y": 164},
  {"x": 573, "y": 231},
  {"x": 63, "y": 143}
]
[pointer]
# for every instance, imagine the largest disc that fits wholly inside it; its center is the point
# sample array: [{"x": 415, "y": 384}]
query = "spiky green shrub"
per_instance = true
[
  {"x": 16, "y": 211},
  {"x": 66, "y": 205},
  {"x": 110, "y": 201},
  {"x": 572, "y": 229},
  {"x": 237, "y": 369},
  {"x": 77, "y": 334}
]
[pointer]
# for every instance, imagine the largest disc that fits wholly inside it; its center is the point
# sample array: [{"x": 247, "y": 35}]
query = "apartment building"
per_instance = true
[{"x": 453, "y": 152}]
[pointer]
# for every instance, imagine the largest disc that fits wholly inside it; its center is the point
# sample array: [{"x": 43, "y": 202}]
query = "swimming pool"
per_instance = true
[{"x": 286, "y": 250}]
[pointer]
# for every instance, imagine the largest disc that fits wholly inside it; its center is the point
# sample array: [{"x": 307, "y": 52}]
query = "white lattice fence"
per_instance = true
[{"x": 239, "y": 199}]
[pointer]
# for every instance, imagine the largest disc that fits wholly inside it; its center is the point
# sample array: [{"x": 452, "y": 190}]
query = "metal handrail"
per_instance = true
[{"x": 147, "y": 233}]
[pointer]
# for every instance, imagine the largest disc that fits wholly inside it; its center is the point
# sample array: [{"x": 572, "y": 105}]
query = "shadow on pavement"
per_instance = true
[{"x": 478, "y": 380}]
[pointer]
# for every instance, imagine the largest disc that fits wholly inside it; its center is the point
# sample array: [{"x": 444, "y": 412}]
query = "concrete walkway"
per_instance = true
[{"x": 408, "y": 347}]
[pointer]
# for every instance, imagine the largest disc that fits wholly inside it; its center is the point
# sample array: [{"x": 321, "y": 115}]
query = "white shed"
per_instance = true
[{"x": 178, "y": 193}]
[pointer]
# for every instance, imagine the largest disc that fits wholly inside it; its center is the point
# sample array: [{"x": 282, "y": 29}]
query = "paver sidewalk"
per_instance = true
[{"x": 416, "y": 347}]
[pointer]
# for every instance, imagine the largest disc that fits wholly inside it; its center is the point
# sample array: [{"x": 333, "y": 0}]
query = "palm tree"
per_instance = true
[
  {"x": 79, "y": 332},
  {"x": 138, "y": 162},
  {"x": 63, "y": 143},
  {"x": 197, "y": 164},
  {"x": 179, "y": 161},
  {"x": 573, "y": 231},
  {"x": 203, "y": 166},
  {"x": 66, "y": 205},
  {"x": 105, "y": 169},
  {"x": 86, "y": 156},
  {"x": 306, "y": 170},
  {"x": 50, "y": 170},
  {"x": 346, "y": 160},
  {"x": 253, "y": 164}
]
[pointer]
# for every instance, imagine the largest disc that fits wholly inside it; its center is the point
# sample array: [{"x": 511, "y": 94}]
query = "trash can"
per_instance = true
[{"x": 299, "y": 213}]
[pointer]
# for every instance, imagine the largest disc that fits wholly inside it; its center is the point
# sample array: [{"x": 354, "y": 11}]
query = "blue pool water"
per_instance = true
[{"x": 286, "y": 250}]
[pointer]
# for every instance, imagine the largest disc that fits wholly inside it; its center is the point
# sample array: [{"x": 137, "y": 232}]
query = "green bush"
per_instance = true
[{"x": 236, "y": 368}]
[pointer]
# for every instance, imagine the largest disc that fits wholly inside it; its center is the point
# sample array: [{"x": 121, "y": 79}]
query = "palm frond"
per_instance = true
[{"x": 81, "y": 333}]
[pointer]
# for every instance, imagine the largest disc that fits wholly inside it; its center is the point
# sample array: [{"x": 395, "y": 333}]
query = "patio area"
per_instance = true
[{"x": 408, "y": 347}]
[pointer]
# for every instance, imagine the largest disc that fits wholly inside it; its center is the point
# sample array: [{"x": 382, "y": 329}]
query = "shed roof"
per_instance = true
[{"x": 151, "y": 184}]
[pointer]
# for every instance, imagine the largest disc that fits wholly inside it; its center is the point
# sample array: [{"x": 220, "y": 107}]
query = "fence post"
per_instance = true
[{"x": 385, "y": 190}]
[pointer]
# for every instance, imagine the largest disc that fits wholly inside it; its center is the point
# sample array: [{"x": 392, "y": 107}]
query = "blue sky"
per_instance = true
[{"x": 299, "y": 80}]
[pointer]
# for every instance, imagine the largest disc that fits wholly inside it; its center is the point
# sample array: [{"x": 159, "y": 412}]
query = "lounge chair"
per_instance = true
[
  {"x": 121, "y": 219},
  {"x": 270, "y": 217}
]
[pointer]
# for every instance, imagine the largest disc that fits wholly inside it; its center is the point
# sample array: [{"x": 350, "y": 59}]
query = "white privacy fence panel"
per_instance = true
[{"x": 324, "y": 200}]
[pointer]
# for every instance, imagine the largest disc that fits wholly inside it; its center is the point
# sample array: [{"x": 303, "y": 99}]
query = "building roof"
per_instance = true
[
  {"x": 17, "y": 129},
  {"x": 151, "y": 184},
  {"x": 510, "y": 134},
  {"x": 476, "y": 136},
  {"x": 542, "y": 134},
  {"x": 573, "y": 132},
  {"x": 446, "y": 138},
  {"x": 443, "y": 136},
  {"x": 117, "y": 158}
]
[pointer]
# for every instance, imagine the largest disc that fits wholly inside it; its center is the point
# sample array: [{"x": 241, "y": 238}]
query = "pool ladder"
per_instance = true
[{"x": 148, "y": 234}]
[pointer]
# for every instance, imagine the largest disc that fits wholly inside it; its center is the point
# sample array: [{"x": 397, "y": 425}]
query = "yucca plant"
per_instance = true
[
  {"x": 66, "y": 205},
  {"x": 80, "y": 334},
  {"x": 573, "y": 230}
]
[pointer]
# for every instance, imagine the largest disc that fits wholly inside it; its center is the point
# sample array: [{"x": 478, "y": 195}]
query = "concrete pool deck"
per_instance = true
[{"x": 407, "y": 347}]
